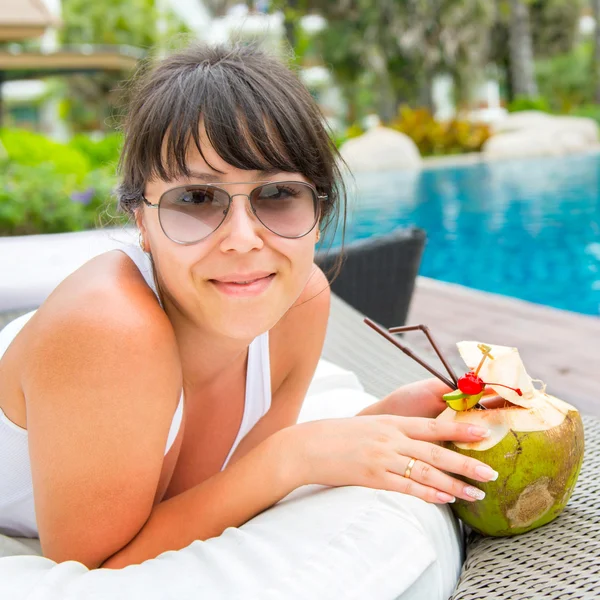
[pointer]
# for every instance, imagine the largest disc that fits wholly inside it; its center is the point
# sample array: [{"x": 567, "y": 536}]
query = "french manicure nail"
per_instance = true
[
  {"x": 480, "y": 431},
  {"x": 473, "y": 492},
  {"x": 486, "y": 472}
]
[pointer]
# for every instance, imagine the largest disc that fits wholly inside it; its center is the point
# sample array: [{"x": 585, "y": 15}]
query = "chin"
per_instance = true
[
  {"x": 245, "y": 319},
  {"x": 244, "y": 326}
]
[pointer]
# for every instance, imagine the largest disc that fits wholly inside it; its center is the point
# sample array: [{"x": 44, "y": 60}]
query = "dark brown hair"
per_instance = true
[{"x": 255, "y": 111}]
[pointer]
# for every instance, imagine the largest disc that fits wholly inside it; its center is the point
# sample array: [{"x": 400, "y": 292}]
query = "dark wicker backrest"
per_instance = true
[{"x": 378, "y": 274}]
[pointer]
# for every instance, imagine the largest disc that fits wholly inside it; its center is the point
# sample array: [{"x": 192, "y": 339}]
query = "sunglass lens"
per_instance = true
[
  {"x": 286, "y": 208},
  {"x": 189, "y": 214}
]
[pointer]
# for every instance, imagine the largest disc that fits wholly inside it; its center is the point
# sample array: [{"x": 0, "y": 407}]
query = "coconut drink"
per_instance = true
[
  {"x": 536, "y": 445},
  {"x": 536, "y": 441}
]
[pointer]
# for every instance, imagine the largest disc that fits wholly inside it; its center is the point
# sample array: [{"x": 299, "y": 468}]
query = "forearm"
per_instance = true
[{"x": 228, "y": 499}]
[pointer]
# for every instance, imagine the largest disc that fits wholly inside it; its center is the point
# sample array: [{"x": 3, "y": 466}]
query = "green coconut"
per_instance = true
[{"x": 536, "y": 445}]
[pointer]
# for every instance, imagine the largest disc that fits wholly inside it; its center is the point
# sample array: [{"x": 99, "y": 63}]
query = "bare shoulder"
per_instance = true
[
  {"x": 298, "y": 337},
  {"x": 108, "y": 293},
  {"x": 104, "y": 308},
  {"x": 102, "y": 369}
]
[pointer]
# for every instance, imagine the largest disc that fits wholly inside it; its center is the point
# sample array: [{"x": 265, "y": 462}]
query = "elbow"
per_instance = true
[{"x": 92, "y": 556}]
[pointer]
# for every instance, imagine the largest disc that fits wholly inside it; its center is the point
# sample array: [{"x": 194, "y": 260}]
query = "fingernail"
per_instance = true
[
  {"x": 480, "y": 431},
  {"x": 486, "y": 473},
  {"x": 446, "y": 497},
  {"x": 473, "y": 492}
]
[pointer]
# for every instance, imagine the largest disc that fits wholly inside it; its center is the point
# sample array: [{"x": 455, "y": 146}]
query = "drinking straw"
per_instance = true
[
  {"x": 426, "y": 331},
  {"x": 409, "y": 352}
]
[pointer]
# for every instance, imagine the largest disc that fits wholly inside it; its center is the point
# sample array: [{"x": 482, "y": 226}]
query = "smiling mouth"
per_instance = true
[{"x": 250, "y": 287}]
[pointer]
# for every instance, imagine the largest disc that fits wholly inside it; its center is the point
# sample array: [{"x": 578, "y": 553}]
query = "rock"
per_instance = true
[
  {"x": 381, "y": 149},
  {"x": 533, "y": 133},
  {"x": 524, "y": 119}
]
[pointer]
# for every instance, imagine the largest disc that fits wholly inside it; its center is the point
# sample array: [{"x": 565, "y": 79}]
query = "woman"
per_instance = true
[{"x": 155, "y": 387}]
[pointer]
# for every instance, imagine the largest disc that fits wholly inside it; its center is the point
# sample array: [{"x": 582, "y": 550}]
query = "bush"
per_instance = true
[
  {"x": 435, "y": 137},
  {"x": 40, "y": 199},
  {"x": 525, "y": 103},
  {"x": 32, "y": 149},
  {"x": 101, "y": 153},
  {"x": 48, "y": 187},
  {"x": 566, "y": 79}
]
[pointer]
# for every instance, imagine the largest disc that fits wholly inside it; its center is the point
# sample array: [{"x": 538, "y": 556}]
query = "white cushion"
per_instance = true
[
  {"x": 318, "y": 543},
  {"x": 329, "y": 377}
]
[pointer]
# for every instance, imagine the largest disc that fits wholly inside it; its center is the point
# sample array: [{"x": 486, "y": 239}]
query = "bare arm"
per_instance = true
[
  {"x": 102, "y": 382},
  {"x": 228, "y": 499}
]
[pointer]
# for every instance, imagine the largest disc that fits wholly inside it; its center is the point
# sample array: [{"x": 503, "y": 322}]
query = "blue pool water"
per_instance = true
[{"x": 529, "y": 229}]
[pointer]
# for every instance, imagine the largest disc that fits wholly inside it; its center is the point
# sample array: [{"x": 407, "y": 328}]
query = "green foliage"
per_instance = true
[
  {"x": 435, "y": 137},
  {"x": 48, "y": 187},
  {"x": 100, "y": 153},
  {"x": 91, "y": 97},
  {"x": 567, "y": 79},
  {"x": 126, "y": 22},
  {"x": 33, "y": 149},
  {"x": 526, "y": 103},
  {"x": 40, "y": 199}
]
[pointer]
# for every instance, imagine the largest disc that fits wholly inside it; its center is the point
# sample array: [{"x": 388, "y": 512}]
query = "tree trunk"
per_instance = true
[
  {"x": 596, "y": 73},
  {"x": 386, "y": 103},
  {"x": 522, "y": 68},
  {"x": 426, "y": 90}
]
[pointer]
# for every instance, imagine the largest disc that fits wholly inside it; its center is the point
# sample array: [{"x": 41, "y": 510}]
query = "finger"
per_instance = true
[
  {"x": 430, "y": 476},
  {"x": 447, "y": 460},
  {"x": 433, "y": 430},
  {"x": 396, "y": 483}
]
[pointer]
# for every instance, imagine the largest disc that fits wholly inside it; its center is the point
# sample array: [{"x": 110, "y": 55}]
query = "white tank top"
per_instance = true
[{"x": 17, "y": 510}]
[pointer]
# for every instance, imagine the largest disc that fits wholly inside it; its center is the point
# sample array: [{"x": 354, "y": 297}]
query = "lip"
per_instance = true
[
  {"x": 255, "y": 288},
  {"x": 233, "y": 277}
]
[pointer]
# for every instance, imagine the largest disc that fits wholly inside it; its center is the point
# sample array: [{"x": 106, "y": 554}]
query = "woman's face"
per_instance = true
[{"x": 196, "y": 280}]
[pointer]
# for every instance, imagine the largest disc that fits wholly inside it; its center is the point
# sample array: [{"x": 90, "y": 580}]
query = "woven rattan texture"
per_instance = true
[{"x": 559, "y": 561}]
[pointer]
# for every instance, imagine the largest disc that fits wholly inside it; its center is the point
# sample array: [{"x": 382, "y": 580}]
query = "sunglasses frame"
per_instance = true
[{"x": 319, "y": 197}]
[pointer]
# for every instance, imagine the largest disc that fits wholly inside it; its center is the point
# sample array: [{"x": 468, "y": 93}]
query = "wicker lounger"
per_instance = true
[{"x": 560, "y": 561}]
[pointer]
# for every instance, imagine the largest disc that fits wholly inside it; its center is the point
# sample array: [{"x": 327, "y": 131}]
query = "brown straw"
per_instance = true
[
  {"x": 426, "y": 331},
  {"x": 409, "y": 352}
]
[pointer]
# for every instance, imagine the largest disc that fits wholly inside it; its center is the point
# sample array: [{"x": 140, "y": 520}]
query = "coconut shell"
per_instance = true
[{"x": 537, "y": 469}]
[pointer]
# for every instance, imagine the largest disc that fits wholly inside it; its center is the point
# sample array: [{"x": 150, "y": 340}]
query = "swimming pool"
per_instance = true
[{"x": 529, "y": 229}]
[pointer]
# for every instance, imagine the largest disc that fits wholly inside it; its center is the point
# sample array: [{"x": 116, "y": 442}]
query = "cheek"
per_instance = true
[{"x": 301, "y": 255}]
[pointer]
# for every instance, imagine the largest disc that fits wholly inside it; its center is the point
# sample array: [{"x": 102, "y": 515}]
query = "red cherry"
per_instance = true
[{"x": 470, "y": 384}]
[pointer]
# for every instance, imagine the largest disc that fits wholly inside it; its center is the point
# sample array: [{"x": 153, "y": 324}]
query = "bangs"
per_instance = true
[{"x": 250, "y": 123}]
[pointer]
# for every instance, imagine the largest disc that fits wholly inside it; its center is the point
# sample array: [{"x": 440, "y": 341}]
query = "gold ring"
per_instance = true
[{"x": 411, "y": 464}]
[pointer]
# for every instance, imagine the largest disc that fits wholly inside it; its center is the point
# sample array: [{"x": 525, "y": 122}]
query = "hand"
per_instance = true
[
  {"x": 418, "y": 399},
  {"x": 374, "y": 451}
]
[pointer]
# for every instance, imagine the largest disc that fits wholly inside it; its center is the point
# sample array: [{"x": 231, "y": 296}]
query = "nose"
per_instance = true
[{"x": 240, "y": 230}]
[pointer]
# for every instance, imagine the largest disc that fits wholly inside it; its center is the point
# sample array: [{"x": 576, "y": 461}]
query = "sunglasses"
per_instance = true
[{"x": 190, "y": 213}]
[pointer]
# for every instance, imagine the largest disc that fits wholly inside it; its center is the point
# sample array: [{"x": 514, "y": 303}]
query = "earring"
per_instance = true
[
  {"x": 142, "y": 243},
  {"x": 318, "y": 234}
]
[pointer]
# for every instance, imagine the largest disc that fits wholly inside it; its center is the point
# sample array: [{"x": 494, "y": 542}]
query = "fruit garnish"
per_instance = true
[{"x": 458, "y": 400}]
